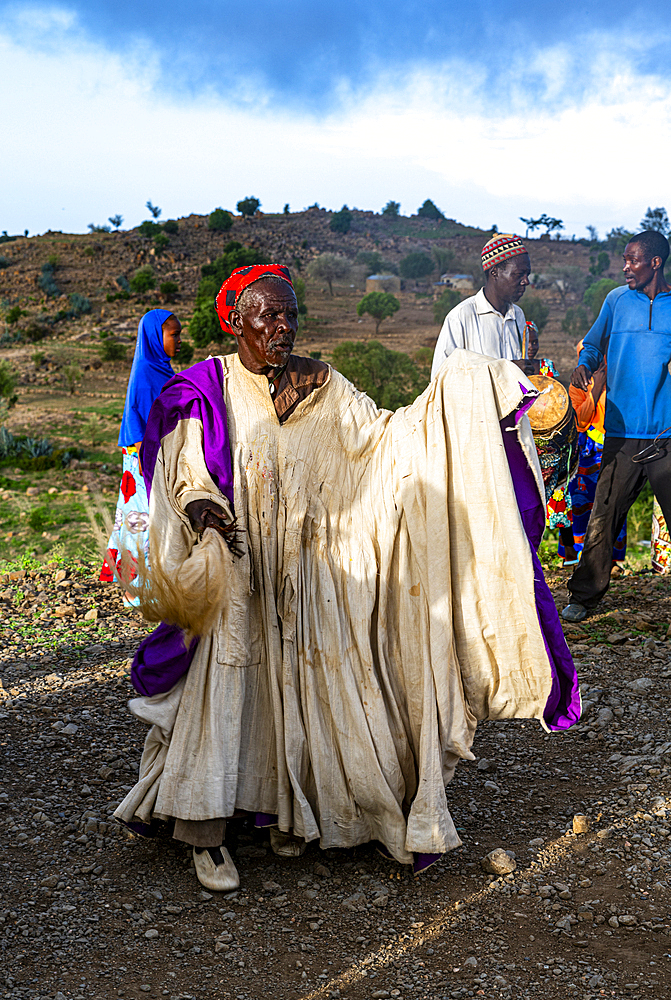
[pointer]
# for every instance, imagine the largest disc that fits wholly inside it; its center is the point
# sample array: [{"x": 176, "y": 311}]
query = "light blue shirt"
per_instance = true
[{"x": 634, "y": 334}]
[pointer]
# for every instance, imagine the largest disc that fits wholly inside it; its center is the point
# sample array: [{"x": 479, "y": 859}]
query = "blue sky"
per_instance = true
[{"x": 492, "y": 113}]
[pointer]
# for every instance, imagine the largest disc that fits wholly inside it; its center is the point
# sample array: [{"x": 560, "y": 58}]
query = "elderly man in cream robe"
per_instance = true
[{"x": 343, "y": 594}]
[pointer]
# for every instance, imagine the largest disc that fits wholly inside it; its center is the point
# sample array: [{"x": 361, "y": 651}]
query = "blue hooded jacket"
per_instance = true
[
  {"x": 151, "y": 370},
  {"x": 634, "y": 333}
]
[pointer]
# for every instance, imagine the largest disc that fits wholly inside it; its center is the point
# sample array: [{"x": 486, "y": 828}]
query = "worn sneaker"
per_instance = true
[
  {"x": 574, "y": 612},
  {"x": 215, "y": 868}
]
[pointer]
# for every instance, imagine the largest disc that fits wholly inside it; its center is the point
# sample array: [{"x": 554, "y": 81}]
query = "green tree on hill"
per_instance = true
[
  {"x": 329, "y": 267},
  {"x": 392, "y": 209},
  {"x": 657, "y": 219},
  {"x": 248, "y": 206},
  {"x": 596, "y": 293},
  {"x": 219, "y": 221},
  {"x": 417, "y": 265},
  {"x": 390, "y": 378},
  {"x": 379, "y": 305},
  {"x": 429, "y": 211},
  {"x": 341, "y": 221},
  {"x": 599, "y": 264}
]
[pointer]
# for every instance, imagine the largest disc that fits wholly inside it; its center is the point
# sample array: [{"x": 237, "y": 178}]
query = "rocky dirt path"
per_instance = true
[{"x": 86, "y": 912}]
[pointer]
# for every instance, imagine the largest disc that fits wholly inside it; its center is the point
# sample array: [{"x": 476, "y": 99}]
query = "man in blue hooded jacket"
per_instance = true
[{"x": 633, "y": 333}]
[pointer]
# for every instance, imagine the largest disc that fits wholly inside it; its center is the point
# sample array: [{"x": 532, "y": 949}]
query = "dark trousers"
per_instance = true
[{"x": 620, "y": 481}]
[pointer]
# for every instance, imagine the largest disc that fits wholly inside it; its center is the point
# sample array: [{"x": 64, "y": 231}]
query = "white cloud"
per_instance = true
[{"x": 87, "y": 133}]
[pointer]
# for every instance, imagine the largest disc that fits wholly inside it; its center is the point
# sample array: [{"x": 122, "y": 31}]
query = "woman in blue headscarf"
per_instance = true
[{"x": 158, "y": 340}]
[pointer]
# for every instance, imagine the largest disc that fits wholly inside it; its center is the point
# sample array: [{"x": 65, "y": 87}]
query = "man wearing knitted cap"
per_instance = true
[
  {"x": 334, "y": 619},
  {"x": 491, "y": 322}
]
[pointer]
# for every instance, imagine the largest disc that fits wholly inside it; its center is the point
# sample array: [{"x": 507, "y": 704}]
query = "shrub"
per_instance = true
[
  {"x": 71, "y": 374},
  {"x": 154, "y": 209},
  {"x": 597, "y": 265},
  {"x": 596, "y": 293},
  {"x": 122, "y": 282},
  {"x": 416, "y": 265},
  {"x": 429, "y": 211},
  {"x": 445, "y": 303},
  {"x": 168, "y": 290},
  {"x": 142, "y": 281},
  {"x": 116, "y": 296},
  {"x": 392, "y": 209},
  {"x": 79, "y": 304},
  {"x": 390, "y": 378},
  {"x": 99, "y": 229},
  {"x": 536, "y": 311},
  {"x": 204, "y": 326},
  {"x": 115, "y": 220},
  {"x": 379, "y": 305},
  {"x": 329, "y": 267},
  {"x": 171, "y": 227},
  {"x": 46, "y": 281},
  {"x": 248, "y": 206},
  {"x": 4, "y": 261},
  {"x": 15, "y": 314},
  {"x": 286, "y": 209},
  {"x": 161, "y": 241},
  {"x": 219, "y": 221},
  {"x": 110, "y": 350},
  {"x": 36, "y": 332},
  {"x": 39, "y": 518},
  {"x": 38, "y": 358},
  {"x": 149, "y": 228},
  {"x": 341, "y": 221},
  {"x": 575, "y": 323},
  {"x": 186, "y": 353},
  {"x": 8, "y": 380}
]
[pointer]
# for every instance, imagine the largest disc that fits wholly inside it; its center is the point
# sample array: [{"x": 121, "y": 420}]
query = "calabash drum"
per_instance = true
[
  {"x": 552, "y": 410},
  {"x": 552, "y": 420}
]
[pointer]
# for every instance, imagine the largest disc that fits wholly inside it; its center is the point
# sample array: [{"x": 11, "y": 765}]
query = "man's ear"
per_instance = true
[
  {"x": 235, "y": 321},
  {"x": 657, "y": 263}
]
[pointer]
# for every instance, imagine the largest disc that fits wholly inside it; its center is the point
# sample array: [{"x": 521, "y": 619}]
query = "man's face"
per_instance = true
[
  {"x": 512, "y": 277},
  {"x": 638, "y": 271},
  {"x": 172, "y": 336},
  {"x": 267, "y": 329}
]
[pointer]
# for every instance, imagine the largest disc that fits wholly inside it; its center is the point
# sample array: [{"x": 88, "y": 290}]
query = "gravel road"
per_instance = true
[{"x": 89, "y": 912}]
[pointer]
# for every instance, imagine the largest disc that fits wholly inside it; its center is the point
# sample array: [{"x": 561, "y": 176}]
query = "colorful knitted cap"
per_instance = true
[
  {"x": 500, "y": 248},
  {"x": 242, "y": 278}
]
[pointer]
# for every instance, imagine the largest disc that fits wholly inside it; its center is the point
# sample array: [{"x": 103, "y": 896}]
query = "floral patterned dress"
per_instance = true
[
  {"x": 131, "y": 522},
  {"x": 559, "y": 511}
]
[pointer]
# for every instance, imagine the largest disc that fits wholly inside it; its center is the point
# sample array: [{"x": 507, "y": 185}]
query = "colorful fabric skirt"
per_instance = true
[
  {"x": 582, "y": 489},
  {"x": 131, "y": 522},
  {"x": 661, "y": 542}
]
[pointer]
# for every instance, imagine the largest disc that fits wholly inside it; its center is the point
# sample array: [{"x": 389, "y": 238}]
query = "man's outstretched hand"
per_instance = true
[{"x": 581, "y": 377}]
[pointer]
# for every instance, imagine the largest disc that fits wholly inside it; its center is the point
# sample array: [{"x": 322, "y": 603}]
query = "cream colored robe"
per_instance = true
[{"x": 384, "y": 604}]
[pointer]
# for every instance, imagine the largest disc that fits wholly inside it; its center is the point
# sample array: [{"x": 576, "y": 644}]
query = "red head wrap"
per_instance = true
[{"x": 242, "y": 278}]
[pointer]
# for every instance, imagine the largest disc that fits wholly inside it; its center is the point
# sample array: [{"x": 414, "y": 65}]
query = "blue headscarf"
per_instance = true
[{"x": 151, "y": 370}]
